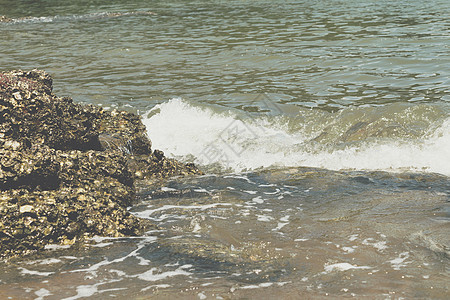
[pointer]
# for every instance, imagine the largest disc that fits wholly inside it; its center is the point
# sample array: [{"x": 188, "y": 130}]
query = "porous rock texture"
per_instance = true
[{"x": 67, "y": 170}]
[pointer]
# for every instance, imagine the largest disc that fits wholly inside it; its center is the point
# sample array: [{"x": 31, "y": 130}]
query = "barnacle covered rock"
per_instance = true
[{"x": 67, "y": 170}]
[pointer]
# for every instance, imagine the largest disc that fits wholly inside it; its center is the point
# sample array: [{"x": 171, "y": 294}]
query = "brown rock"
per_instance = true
[{"x": 67, "y": 170}]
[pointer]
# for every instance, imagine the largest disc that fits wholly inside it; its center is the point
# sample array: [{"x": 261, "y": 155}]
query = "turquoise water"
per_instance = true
[{"x": 323, "y": 127}]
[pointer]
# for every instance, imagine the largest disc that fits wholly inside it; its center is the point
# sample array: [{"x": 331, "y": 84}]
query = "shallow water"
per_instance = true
[
  {"x": 289, "y": 233},
  {"x": 323, "y": 129}
]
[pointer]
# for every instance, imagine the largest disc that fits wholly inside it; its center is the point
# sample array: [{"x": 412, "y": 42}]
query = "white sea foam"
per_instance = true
[
  {"x": 101, "y": 245},
  {"x": 42, "y": 293},
  {"x": 254, "y": 286},
  {"x": 237, "y": 141},
  {"x": 56, "y": 247},
  {"x": 400, "y": 261},
  {"x": 379, "y": 245},
  {"x": 149, "y": 212},
  {"x": 349, "y": 249},
  {"x": 264, "y": 218},
  {"x": 88, "y": 290},
  {"x": 279, "y": 226},
  {"x": 342, "y": 267},
  {"x": 353, "y": 237},
  {"x": 154, "y": 274},
  {"x": 24, "y": 271},
  {"x": 258, "y": 200},
  {"x": 46, "y": 261},
  {"x": 135, "y": 253}
]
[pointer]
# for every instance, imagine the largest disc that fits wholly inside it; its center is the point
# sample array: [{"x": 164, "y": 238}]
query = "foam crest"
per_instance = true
[{"x": 238, "y": 142}]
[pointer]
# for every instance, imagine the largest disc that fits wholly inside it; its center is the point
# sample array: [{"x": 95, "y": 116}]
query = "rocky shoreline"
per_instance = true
[{"x": 68, "y": 171}]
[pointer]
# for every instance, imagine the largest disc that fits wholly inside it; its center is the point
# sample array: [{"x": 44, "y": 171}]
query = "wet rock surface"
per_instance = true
[{"x": 68, "y": 171}]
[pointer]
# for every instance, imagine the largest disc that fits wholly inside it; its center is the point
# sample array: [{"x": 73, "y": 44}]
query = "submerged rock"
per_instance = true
[
  {"x": 67, "y": 171},
  {"x": 5, "y": 19}
]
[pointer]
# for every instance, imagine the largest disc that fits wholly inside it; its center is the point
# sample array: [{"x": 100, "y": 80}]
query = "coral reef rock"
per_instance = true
[{"x": 68, "y": 171}]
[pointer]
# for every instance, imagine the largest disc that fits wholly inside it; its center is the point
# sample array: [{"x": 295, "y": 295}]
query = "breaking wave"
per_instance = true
[{"x": 395, "y": 137}]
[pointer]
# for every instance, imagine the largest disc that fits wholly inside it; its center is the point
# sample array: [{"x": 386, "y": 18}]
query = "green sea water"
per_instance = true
[{"x": 323, "y": 127}]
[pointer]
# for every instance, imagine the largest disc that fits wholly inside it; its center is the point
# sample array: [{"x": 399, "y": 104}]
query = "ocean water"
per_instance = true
[{"x": 323, "y": 128}]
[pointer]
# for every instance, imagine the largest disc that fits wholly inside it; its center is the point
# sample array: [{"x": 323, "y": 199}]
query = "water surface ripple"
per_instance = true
[
  {"x": 323, "y": 54},
  {"x": 333, "y": 117}
]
